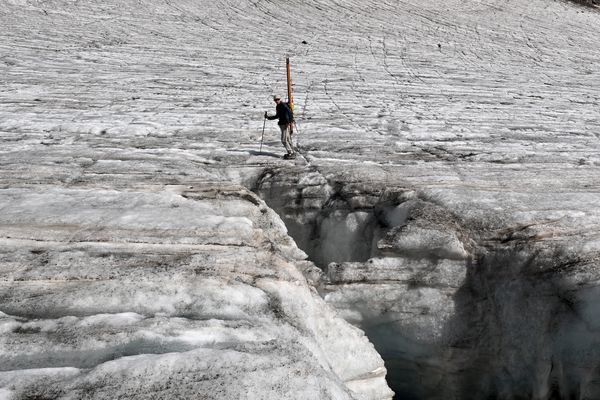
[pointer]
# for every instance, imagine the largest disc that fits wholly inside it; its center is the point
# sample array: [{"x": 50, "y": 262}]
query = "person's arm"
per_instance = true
[{"x": 277, "y": 112}]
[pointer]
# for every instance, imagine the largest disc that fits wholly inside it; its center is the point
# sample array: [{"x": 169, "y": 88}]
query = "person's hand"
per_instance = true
[{"x": 265, "y": 114}]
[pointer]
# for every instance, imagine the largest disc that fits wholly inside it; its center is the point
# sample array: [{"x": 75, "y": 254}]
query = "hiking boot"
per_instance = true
[{"x": 289, "y": 156}]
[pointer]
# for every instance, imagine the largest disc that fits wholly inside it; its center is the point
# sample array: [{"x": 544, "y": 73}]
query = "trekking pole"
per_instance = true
[{"x": 263, "y": 134}]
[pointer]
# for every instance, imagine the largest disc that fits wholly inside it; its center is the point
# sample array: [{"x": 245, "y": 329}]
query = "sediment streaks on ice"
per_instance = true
[{"x": 449, "y": 153}]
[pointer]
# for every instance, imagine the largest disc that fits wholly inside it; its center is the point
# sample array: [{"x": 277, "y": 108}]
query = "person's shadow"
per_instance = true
[{"x": 263, "y": 153}]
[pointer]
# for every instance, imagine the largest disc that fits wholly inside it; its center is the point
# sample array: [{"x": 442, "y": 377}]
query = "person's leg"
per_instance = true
[
  {"x": 286, "y": 140},
  {"x": 291, "y": 129},
  {"x": 283, "y": 140}
]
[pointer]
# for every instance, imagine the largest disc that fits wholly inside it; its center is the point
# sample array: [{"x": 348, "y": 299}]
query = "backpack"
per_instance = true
[{"x": 290, "y": 112}]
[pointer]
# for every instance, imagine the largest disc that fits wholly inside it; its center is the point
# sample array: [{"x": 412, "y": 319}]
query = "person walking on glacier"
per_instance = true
[{"x": 286, "y": 119}]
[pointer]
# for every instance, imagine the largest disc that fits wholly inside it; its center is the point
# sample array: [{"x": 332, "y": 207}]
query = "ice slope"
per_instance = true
[
  {"x": 463, "y": 136},
  {"x": 175, "y": 293}
]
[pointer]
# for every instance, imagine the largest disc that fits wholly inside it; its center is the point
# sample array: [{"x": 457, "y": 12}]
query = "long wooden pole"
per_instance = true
[{"x": 289, "y": 84}]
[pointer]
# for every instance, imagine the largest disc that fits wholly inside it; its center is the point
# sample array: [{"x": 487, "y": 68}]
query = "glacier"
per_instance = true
[{"x": 438, "y": 236}]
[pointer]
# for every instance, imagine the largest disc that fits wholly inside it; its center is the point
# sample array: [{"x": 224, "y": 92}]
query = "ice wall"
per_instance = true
[
  {"x": 173, "y": 294},
  {"x": 456, "y": 308}
]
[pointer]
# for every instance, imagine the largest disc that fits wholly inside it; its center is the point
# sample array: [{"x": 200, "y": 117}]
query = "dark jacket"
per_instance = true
[{"x": 283, "y": 113}]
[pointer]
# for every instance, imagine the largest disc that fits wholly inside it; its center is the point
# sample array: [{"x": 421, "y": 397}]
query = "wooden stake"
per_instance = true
[{"x": 289, "y": 84}]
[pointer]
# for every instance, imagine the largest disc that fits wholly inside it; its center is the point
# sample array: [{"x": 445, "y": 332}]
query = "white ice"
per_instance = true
[{"x": 136, "y": 262}]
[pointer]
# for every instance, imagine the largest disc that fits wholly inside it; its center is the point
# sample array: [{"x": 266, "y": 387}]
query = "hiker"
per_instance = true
[{"x": 284, "y": 115}]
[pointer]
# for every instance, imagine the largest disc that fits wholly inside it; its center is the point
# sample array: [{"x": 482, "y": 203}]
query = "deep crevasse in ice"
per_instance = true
[{"x": 458, "y": 306}]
